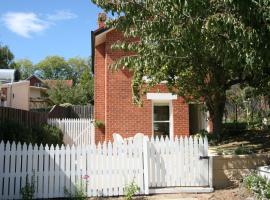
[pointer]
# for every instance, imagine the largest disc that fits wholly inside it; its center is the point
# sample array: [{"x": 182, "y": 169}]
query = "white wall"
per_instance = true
[
  {"x": 18, "y": 95},
  {"x": 35, "y": 92}
]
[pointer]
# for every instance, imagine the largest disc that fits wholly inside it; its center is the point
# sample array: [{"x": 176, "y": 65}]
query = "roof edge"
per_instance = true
[{"x": 93, "y": 41}]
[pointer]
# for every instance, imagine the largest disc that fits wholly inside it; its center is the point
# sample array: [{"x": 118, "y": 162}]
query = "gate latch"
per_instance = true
[{"x": 204, "y": 157}]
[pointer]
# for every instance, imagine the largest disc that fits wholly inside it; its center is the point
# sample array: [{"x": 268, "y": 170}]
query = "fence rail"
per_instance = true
[
  {"x": 76, "y": 132},
  {"x": 106, "y": 169},
  {"x": 75, "y": 111},
  {"x": 27, "y": 118}
]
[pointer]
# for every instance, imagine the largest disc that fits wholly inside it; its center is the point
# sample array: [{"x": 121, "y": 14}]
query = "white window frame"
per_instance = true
[{"x": 163, "y": 102}]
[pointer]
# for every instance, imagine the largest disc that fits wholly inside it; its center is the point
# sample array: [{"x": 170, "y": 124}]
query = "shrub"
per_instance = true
[
  {"x": 99, "y": 124},
  {"x": 242, "y": 150},
  {"x": 258, "y": 185},
  {"x": 235, "y": 126},
  {"x": 41, "y": 134},
  {"x": 79, "y": 192},
  {"x": 131, "y": 190},
  {"x": 28, "y": 190}
]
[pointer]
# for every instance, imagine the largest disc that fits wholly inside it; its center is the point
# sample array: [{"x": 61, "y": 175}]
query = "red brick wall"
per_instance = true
[
  {"x": 121, "y": 116},
  {"x": 99, "y": 87}
]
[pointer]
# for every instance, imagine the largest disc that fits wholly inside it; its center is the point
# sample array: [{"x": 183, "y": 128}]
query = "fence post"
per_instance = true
[
  {"x": 145, "y": 165},
  {"x": 211, "y": 171}
]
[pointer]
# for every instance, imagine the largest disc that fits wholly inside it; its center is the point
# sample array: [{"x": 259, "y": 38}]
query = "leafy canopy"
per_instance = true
[
  {"x": 200, "y": 47},
  {"x": 26, "y": 68},
  {"x": 6, "y": 58}
]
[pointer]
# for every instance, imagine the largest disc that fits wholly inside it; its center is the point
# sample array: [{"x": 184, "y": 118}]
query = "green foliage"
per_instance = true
[
  {"x": 99, "y": 124},
  {"x": 79, "y": 192},
  {"x": 77, "y": 69},
  {"x": 242, "y": 150},
  {"x": 235, "y": 126},
  {"x": 258, "y": 185},
  {"x": 202, "y": 133},
  {"x": 54, "y": 67},
  {"x": 26, "y": 68},
  {"x": 130, "y": 190},
  {"x": 42, "y": 134},
  {"x": 220, "y": 43},
  {"x": 6, "y": 58},
  {"x": 78, "y": 66},
  {"x": 87, "y": 86},
  {"x": 75, "y": 95},
  {"x": 28, "y": 190}
]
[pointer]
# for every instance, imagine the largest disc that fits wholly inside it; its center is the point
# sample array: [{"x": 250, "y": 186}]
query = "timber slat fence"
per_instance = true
[
  {"x": 76, "y": 132},
  {"x": 84, "y": 111},
  {"x": 25, "y": 117},
  {"x": 74, "y": 111},
  {"x": 105, "y": 169}
]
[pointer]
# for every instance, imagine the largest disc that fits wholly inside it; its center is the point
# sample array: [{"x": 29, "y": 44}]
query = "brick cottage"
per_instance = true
[{"x": 163, "y": 113}]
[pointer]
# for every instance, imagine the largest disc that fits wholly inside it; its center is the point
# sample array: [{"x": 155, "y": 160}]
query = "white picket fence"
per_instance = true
[
  {"x": 76, "y": 132},
  {"x": 106, "y": 169}
]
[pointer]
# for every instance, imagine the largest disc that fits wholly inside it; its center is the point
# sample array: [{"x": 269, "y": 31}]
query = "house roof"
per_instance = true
[
  {"x": 101, "y": 34},
  {"x": 7, "y": 75},
  {"x": 53, "y": 83},
  {"x": 34, "y": 76}
]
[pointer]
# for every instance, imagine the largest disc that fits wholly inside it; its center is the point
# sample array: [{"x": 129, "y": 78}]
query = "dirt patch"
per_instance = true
[{"x": 239, "y": 193}]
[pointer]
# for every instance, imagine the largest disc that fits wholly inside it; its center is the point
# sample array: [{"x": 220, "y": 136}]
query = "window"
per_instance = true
[{"x": 161, "y": 119}]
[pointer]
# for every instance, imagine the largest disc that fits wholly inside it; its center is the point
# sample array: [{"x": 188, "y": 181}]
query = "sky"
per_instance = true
[{"x": 34, "y": 29}]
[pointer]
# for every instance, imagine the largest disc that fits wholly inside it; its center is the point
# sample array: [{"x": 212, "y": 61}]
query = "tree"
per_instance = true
[
  {"x": 78, "y": 66},
  {"x": 6, "y": 58},
  {"x": 25, "y": 67},
  {"x": 63, "y": 94},
  {"x": 200, "y": 47},
  {"x": 54, "y": 67},
  {"x": 87, "y": 85}
]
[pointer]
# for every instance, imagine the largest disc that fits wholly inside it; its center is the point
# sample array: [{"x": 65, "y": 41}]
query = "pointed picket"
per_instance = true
[
  {"x": 39, "y": 173},
  {"x": 110, "y": 169},
  {"x": 62, "y": 169},
  {"x": 115, "y": 164}
]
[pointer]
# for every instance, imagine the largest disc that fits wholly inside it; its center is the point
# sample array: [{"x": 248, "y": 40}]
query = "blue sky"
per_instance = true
[{"x": 35, "y": 29}]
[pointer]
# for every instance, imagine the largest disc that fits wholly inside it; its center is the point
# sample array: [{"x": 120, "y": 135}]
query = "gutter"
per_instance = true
[{"x": 93, "y": 41}]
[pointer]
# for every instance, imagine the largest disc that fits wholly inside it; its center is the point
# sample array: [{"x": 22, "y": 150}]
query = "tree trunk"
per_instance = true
[{"x": 216, "y": 108}]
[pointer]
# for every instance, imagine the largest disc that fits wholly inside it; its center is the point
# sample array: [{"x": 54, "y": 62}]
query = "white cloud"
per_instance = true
[
  {"x": 61, "y": 15},
  {"x": 24, "y": 24},
  {"x": 27, "y": 23}
]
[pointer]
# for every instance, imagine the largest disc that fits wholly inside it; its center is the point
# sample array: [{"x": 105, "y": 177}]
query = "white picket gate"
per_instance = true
[
  {"x": 76, "y": 132},
  {"x": 183, "y": 162},
  {"x": 105, "y": 168}
]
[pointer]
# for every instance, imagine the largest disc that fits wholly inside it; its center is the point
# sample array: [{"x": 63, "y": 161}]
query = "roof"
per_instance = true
[
  {"x": 34, "y": 76},
  {"x": 53, "y": 83},
  {"x": 94, "y": 34},
  {"x": 6, "y": 85},
  {"x": 7, "y": 75}
]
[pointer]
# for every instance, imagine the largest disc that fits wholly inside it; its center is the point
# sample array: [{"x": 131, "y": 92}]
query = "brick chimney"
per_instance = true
[{"x": 101, "y": 20}]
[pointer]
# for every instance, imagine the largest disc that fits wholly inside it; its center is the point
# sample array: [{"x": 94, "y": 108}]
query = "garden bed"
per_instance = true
[{"x": 241, "y": 142}]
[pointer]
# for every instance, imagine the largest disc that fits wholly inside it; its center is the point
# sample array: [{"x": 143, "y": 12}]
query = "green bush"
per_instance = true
[
  {"x": 131, "y": 190},
  {"x": 242, "y": 150},
  {"x": 40, "y": 134},
  {"x": 258, "y": 185},
  {"x": 235, "y": 126}
]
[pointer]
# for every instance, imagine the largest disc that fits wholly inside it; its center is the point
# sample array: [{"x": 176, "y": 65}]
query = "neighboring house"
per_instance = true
[
  {"x": 16, "y": 95},
  {"x": 38, "y": 93},
  {"x": 28, "y": 94},
  {"x": 163, "y": 113}
]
